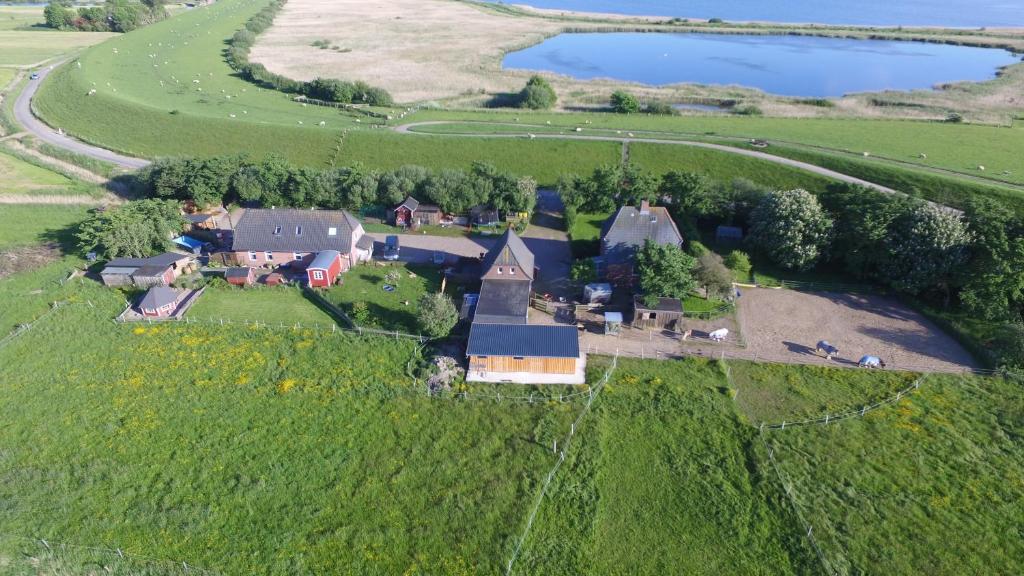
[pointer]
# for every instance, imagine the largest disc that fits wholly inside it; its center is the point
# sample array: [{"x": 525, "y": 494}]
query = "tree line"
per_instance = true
[
  {"x": 973, "y": 259},
  {"x": 326, "y": 89},
  {"x": 110, "y": 16},
  {"x": 273, "y": 181}
]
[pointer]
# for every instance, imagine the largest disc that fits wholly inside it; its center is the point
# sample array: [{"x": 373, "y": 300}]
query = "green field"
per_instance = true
[
  {"x": 387, "y": 310},
  {"x": 20, "y": 177},
  {"x": 586, "y": 234},
  {"x": 24, "y": 224},
  {"x": 273, "y": 305}
]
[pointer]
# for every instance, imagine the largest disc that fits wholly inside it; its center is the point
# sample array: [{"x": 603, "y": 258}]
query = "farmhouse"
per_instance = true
[
  {"x": 159, "y": 270},
  {"x": 627, "y": 231},
  {"x": 413, "y": 214},
  {"x": 294, "y": 238},
  {"x": 159, "y": 301},
  {"x": 503, "y": 346}
]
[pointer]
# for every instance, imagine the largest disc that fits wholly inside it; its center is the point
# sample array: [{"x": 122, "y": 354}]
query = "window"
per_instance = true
[
  {"x": 252, "y": 256},
  {"x": 332, "y": 231},
  {"x": 318, "y": 275},
  {"x": 270, "y": 256},
  {"x": 297, "y": 256},
  {"x": 499, "y": 270},
  {"x": 298, "y": 230},
  {"x": 518, "y": 358},
  {"x": 277, "y": 230},
  {"x": 512, "y": 270}
]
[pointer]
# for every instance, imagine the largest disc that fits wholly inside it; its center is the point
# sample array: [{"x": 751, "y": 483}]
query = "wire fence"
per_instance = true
[
  {"x": 25, "y": 327},
  {"x": 47, "y": 556},
  {"x": 560, "y": 451}
]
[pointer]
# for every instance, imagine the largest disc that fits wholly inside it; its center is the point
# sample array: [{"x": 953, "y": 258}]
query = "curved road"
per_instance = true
[
  {"x": 23, "y": 114},
  {"x": 408, "y": 129}
]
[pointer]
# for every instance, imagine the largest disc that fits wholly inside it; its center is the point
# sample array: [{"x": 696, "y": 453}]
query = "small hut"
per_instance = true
[
  {"x": 240, "y": 276},
  {"x": 728, "y": 235},
  {"x": 666, "y": 314},
  {"x": 159, "y": 302}
]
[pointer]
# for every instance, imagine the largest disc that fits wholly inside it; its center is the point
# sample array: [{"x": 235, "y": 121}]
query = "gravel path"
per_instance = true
[{"x": 23, "y": 114}]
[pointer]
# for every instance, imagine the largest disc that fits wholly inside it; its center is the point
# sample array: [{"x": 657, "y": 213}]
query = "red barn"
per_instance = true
[{"x": 324, "y": 269}]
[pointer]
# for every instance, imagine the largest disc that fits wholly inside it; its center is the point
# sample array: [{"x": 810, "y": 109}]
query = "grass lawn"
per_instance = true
[
  {"x": 6, "y": 74},
  {"x": 24, "y": 224},
  {"x": 931, "y": 485},
  {"x": 387, "y": 310},
  {"x": 269, "y": 304},
  {"x": 696, "y": 304},
  {"x": 24, "y": 48},
  {"x": 431, "y": 230},
  {"x": 585, "y": 235},
  {"x": 255, "y": 451},
  {"x": 662, "y": 481},
  {"x": 20, "y": 177}
]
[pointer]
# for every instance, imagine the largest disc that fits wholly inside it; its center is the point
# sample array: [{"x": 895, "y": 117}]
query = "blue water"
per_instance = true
[
  {"x": 784, "y": 65},
  {"x": 953, "y": 13}
]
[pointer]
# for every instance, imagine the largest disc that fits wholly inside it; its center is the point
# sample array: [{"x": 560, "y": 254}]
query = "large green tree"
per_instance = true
[
  {"x": 791, "y": 228},
  {"x": 927, "y": 248},
  {"x": 135, "y": 230},
  {"x": 863, "y": 218},
  {"x": 437, "y": 315},
  {"x": 713, "y": 275},
  {"x": 624, "y": 103},
  {"x": 995, "y": 283},
  {"x": 537, "y": 94},
  {"x": 664, "y": 271}
]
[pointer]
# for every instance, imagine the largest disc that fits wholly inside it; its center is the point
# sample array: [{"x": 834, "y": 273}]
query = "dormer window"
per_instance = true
[
  {"x": 499, "y": 270},
  {"x": 277, "y": 230},
  {"x": 512, "y": 270},
  {"x": 298, "y": 230}
]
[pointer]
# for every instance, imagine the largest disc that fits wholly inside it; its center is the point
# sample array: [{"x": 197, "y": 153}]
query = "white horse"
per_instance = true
[{"x": 719, "y": 335}]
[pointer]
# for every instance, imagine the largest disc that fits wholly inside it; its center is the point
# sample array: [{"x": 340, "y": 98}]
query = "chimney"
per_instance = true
[{"x": 645, "y": 207}]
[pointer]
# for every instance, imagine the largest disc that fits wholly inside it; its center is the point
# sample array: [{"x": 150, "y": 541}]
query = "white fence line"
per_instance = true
[{"x": 558, "y": 463}]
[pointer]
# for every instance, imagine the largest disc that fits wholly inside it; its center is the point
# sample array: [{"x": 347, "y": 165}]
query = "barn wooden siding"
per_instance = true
[{"x": 530, "y": 365}]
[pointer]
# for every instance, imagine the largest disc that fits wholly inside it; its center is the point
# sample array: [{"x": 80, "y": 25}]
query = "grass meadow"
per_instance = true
[
  {"x": 23, "y": 43},
  {"x": 585, "y": 235},
  {"x": 273, "y": 305},
  {"x": 20, "y": 177},
  {"x": 25, "y": 224},
  {"x": 387, "y": 310}
]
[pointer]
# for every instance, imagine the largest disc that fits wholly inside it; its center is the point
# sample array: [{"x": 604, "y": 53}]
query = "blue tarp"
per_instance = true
[{"x": 189, "y": 243}]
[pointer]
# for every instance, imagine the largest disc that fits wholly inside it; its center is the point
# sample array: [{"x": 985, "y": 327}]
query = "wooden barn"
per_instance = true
[
  {"x": 240, "y": 276},
  {"x": 324, "y": 269},
  {"x": 667, "y": 314},
  {"x": 517, "y": 352},
  {"x": 413, "y": 214}
]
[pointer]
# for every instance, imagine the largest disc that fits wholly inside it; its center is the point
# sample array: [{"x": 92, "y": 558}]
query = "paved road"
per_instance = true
[
  {"x": 550, "y": 246},
  {"x": 408, "y": 129},
  {"x": 23, "y": 114}
]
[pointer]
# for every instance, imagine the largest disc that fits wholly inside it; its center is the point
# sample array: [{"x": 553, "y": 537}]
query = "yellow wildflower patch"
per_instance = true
[{"x": 285, "y": 385}]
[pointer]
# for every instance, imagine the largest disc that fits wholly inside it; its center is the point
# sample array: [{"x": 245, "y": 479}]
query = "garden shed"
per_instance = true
[
  {"x": 240, "y": 276},
  {"x": 666, "y": 314},
  {"x": 728, "y": 234},
  {"x": 159, "y": 301},
  {"x": 324, "y": 269}
]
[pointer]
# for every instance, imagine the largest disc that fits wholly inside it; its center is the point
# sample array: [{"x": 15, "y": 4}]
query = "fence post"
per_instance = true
[
  {"x": 783, "y": 424},
  {"x": 863, "y": 411},
  {"x": 826, "y": 417},
  {"x": 554, "y": 446}
]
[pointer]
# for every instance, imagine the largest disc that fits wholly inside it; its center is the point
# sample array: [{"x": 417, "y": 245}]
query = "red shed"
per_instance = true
[
  {"x": 324, "y": 269},
  {"x": 241, "y": 276}
]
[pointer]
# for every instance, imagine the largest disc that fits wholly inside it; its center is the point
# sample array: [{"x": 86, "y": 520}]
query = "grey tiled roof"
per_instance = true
[
  {"x": 541, "y": 341},
  {"x": 510, "y": 250},
  {"x": 503, "y": 302},
  {"x": 158, "y": 296},
  {"x": 365, "y": 243},
  {"x": 626, "y": 232},
  {"x": 255, "y": 231},
  {"x": 162, "y": 260},
  {"x": 410, "y": 203},
  {"x": 237, "y": 272}
]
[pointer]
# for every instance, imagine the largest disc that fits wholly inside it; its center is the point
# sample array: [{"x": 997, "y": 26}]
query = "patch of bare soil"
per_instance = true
[
  {"x": 785, "y": 326},
  {"x": 26, "y": 258}
]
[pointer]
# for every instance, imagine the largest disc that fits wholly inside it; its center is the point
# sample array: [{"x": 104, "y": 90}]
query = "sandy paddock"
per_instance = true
[{"x": 785, "y": 325}]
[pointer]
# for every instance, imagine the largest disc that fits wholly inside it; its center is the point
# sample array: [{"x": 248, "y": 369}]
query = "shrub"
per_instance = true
[
  {"x": 696, "y": 249},
  {"x": 537, "y": 94},
  {"x": 748, "y": 110},
  {"x": 738, "y": 261},
  {"x": 360, "y": 312},
  {"x": 623, "y": 102},
  {"x": 954, "y": 118},
  {"x": 437, "y": 315},
  {"x": 661, "y": 109}
]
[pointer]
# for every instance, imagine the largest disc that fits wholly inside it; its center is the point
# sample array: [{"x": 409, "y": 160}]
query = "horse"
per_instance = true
[
  {"x": 871, "y": 362},
  {"x": 827, "y": 349},
  {"x": 719, "y": 335}
]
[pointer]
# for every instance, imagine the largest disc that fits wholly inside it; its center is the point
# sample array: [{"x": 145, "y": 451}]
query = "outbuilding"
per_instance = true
[
  {"x": 728, "y": 234},
  {"x": 528, "y": 354},
  {"x": 324, "y": 269},
  {"x": 159, "y": 302},
  {"x": 666, "y": 314},
  {"x": 413, "y": 214},
  {"x": 240, "y": 276}
]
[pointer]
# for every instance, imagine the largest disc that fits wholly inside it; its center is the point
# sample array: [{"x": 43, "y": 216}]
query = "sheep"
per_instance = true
[
  {"x": 578, "y": 129},
  {"x": 866, "y": 154},
  {"x": 231, "y": 115},
  {"x": 922, "y": 156},
  {"x": 982, "y": 168},
  {"x": 322, "y": 123}
]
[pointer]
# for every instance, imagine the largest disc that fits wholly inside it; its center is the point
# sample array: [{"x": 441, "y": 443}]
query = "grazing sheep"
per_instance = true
[
  {"x": 322, "y": 123},
  {"x": 982, "y": 168}
]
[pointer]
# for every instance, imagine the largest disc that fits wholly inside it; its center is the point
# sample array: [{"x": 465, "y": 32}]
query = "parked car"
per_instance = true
[
  {"x": 391, "y": 248},
  {"x": 33, "y": 76}
]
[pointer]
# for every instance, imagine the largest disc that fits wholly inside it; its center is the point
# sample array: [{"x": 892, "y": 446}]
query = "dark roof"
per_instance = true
[
  {"x": 256, "y": 230},
  {"x": 429, "y": 208},
  {"x": 541, "y": 341},
  {"x": 324, "y": 259},
  {"x": 503, "y": 302},
  {"x": 242, "y": 272},
  {"x": 158, "y": 297},
  {"x": 365, "y": 243},
  {"x": 163, "y": 260},
  {"x": 410, "y": 203},
  {"x": 510, "y": 250},
  {"x": 199, "y": 218},
  {"x": 149, "y": 271},
  {"x": 664, "y": 304},
  {"x": 626, "y": 232}
]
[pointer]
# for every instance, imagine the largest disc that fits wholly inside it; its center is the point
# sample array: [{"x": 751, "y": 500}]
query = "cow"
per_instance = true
[
  {"x": 719, "y": 335},
  {"x": 827, "y": 349},
  {"x": 871, "y": 362}
]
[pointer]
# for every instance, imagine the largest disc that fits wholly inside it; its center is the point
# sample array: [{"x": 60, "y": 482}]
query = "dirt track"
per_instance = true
[{"x": 785, "y": 325}]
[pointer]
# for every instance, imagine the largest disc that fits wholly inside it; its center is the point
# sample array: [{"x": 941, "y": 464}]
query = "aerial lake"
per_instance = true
[
  {"x": 950, "y": 13},
  {"x": 785, "y": 65}
]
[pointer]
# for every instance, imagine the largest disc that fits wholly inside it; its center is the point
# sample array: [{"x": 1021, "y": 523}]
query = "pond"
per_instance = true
[
  {"x": 785, "y": 65},
  {"x": 951, "y": 13}
]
